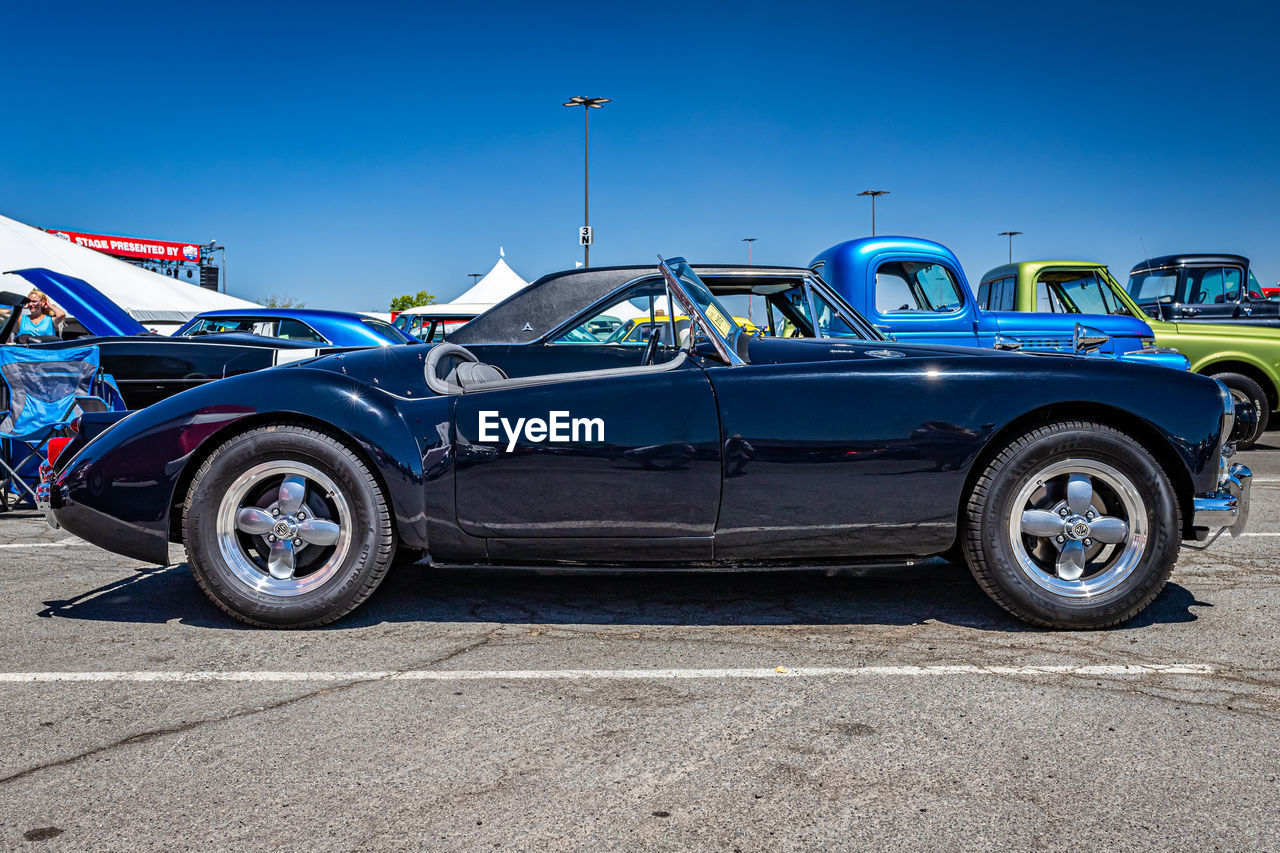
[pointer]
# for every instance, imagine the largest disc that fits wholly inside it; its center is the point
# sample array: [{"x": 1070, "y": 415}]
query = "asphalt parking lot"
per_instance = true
[{"x": 887, "y": 709}]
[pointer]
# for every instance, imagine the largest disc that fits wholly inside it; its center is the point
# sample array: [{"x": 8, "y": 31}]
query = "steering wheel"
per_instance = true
[
  {"x": 1201, "y": 297},
  {"x": 651, "y": 348}
]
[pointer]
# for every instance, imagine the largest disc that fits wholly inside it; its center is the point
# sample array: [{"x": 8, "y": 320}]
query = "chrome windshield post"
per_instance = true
[{"x": 673, "y": 270}]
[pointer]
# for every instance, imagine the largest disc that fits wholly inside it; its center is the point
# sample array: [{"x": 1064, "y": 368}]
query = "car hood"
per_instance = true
[{"x": 81, "y": 300}]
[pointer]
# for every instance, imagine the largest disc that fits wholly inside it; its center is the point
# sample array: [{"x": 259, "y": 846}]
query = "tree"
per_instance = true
[
  {"x": 400, "y": 303},
  {"x": 280, "y": 301}
]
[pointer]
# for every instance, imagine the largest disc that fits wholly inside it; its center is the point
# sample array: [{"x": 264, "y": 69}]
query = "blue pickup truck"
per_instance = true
[{"x": 915, "y": 290}]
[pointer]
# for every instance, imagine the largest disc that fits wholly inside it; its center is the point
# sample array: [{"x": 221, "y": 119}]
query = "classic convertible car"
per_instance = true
[{"x": 1066, "y": 483}]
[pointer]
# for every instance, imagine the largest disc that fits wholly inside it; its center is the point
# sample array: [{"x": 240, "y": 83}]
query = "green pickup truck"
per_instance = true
[{"x": 1245, "y": 358}]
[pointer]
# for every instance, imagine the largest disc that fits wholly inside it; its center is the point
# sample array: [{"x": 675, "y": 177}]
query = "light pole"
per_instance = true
[
  {"x": 1010, "y": 235},
  {"x": 874, "y": 195},
  {"x": 587, "y": 104},
  {"x": 475, "y": 276},
  {"x": 749, "y": 241}
]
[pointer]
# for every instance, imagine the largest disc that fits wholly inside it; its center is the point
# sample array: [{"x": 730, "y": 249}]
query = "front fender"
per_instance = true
[{"x": 119, "y": 490}]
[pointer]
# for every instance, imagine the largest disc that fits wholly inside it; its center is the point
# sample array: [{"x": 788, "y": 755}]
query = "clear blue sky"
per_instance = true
[{"x": 347, "y": 153}]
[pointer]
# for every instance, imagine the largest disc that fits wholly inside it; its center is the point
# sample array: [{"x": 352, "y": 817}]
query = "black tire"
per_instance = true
[
  {"x": 994, "y": 558},
  {"x": 353, "y": 567},
  {"x": 1241, "y": 385}
]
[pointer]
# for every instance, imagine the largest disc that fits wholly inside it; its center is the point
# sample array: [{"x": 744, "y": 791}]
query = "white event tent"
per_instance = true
[
  {"x": 150, "y": 298},
  {"x": 497, "y": 284}
]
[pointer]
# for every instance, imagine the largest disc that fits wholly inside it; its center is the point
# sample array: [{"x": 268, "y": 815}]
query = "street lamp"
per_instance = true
[
  {"x": 874, "y": 195},
  {"x": 1010, "y": 235},
  {"x": 585, "y": 236},
  {"x": 749, "y": 241},
  {"x": 475, "y": 276}
]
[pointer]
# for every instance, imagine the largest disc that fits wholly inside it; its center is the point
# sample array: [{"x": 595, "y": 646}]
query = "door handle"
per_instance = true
[{"x": 1190, "y": 312}]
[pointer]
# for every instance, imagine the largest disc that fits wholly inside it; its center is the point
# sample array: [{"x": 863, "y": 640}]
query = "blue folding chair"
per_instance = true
[{"x": 45, "y": 390}]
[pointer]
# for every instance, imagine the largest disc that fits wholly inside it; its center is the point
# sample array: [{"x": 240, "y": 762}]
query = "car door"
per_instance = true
[{"x": 624, "y": 466}]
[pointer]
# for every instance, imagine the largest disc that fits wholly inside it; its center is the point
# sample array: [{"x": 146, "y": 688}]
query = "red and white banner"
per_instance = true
[{"x": 133, "y": 247}]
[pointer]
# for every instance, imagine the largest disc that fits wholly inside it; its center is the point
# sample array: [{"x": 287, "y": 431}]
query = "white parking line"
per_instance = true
[
  {"x": 1260, "y": 533},
  {"x": 608, "y": 674},
  {"x": 63, "y": 543}
]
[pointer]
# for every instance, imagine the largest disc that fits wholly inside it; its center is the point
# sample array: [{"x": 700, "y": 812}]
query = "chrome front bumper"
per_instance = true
[{"x": 1227, "y": 508}]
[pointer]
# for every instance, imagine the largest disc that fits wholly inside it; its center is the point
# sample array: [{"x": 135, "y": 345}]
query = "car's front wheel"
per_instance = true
[
  {"x": 286, "y": 527},
  {"x": 1072, "y": 525}
]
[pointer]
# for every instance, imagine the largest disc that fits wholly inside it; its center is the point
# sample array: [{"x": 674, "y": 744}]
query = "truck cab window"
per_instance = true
[
  {"x": 1209, "y": 286},
  {"x": 1002, "y": 294},
  {"x": 903, "y": 286},
  {"x": 1047, "y": 301}
]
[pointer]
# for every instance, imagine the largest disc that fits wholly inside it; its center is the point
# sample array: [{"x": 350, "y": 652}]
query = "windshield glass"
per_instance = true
[
  {"x": 1077, "y": 292},
  {"x": 385, "y": 330},
  {"x": 705, "y": 302},
  {"x": 1153, "y": 285},
  {"x": 1255, "y": 289}
]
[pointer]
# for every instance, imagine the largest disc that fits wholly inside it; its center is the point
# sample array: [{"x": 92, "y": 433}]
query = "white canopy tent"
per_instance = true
[
  {"x": 150, "y": 298},
  {"x": 497, "y": 284}
]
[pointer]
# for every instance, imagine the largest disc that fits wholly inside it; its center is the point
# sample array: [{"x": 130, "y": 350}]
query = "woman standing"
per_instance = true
[{"x": 38, "y": 323}]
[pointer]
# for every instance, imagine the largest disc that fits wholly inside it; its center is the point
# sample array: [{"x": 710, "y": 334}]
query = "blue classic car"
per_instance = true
[
  {"x": 150, "y": 367},
  {"x": 915, "y": 290},
  {"x": 307, "y": 325},
  {"x": 1066, "y": 483}
]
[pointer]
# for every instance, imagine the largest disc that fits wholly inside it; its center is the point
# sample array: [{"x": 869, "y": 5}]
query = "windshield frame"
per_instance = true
[{"x": 685, "y": 285}]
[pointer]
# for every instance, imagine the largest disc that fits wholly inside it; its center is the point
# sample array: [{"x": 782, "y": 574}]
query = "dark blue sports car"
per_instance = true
[{"x": 1066, "y": 483}]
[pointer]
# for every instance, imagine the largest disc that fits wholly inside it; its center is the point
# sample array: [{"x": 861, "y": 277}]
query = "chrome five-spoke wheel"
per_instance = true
[
  {"x": 283, "y": 528},
  {"x": 1078, "y": 528}
]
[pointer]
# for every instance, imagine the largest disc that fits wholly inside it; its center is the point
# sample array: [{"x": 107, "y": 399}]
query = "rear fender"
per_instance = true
[{"x": 120, "y": 491}]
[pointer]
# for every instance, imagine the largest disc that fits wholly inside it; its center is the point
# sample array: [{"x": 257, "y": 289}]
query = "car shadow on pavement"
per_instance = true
[{"x": 896, "y": 595}]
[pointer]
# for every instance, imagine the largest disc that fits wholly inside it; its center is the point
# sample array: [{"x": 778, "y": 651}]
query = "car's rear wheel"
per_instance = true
[
  {"x": 286, "y": 527},
  {"x": 1073, "y": 525},
  {"x": 1247, "y": 390}
]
